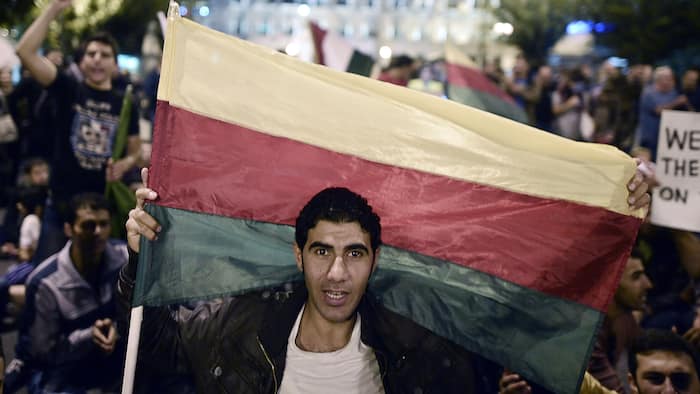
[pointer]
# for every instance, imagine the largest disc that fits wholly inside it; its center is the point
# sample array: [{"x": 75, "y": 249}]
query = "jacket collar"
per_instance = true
[
  {"x": 380, "y": 328},
  {"x": 385, "y": 331},
  {"x": 279, "y": 320},
  {"x": 69, "y": 277}
]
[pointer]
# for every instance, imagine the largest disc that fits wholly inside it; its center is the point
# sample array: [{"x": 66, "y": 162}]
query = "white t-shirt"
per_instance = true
[
  {"x": 350, "y": 370},
  {"x": 29, "y": 231}
]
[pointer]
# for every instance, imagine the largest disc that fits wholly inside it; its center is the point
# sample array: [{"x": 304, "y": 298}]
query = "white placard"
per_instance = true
[{"x": 676, "y": 202}]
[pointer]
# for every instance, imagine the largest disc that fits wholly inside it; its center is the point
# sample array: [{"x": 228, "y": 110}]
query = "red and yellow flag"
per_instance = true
[{"x": 507, "y": 240}]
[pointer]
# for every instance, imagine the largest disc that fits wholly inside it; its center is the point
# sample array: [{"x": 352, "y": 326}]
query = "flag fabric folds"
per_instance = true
[
  {"x": 505, "y": 239},
  {"x": 337, "y": 53},
  {"x": 468, "y": 85}
]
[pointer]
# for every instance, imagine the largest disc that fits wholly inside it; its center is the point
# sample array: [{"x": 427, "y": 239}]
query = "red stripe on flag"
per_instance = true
[
  {"x": 318, "y": 35},
  {"x": 472, "y": 78},
  {"x": 560, "y": 248}
]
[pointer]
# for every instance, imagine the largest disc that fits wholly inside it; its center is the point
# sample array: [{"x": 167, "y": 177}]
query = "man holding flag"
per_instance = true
[
  {"x": 498, "y": 238},
  {"x": 326, "y": 336}
]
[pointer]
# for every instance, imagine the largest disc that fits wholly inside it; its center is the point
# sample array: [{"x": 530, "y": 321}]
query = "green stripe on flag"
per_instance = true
[
  {"x": 360, "y": 64},
  {"x": 517, "y": 327},
  {"x": 510, "y": 324},
  {"x": 229, "y": 255},
  {"x": 486, "y": 102}
]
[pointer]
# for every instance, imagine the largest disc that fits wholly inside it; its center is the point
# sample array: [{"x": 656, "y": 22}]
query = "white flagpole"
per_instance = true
[
  {"x": 132, "y": 345},
  {"x": 132, "y": 349}
]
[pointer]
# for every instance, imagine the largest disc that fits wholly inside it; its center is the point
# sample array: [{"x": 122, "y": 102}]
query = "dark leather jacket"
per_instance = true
[{"x": 239, "y": 344}]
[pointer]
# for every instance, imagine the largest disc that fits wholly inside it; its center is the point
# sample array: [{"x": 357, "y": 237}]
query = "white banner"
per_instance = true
[{"x": 676, "y": 202}]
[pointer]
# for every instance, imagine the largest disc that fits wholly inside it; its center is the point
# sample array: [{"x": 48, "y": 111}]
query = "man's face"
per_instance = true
[
  {"x": 664, "y": 372},
  {"x": 634, "y": 285},
  {"x": 91, "y": 230},
  {"x": 39, "y": 175},
  {"x": 665, "y": 82},
  {"x": 690, "y": 80},
  {"x": 337, "y": 261},
  {"x": 521, "y": 66},
  {"x": 98, "y": 64}
]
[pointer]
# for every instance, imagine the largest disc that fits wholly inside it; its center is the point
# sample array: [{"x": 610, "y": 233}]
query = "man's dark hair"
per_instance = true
[
  {"x": 31, "y": 163},
  {"x": 338, "y": 205},
  {"x": 103, "y": 38},
  {"x": 655, "y": 340},
  {"x": 92, "y": 201},
  {"x": 636, "y": 253},
  {"x": 400, "y": 61}
]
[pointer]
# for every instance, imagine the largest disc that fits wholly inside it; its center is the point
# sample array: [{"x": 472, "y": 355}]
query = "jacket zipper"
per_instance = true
[{"x": 272, "y": 365}]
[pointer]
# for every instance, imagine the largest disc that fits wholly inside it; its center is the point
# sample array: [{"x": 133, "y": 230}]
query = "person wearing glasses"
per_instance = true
[
  {"x": 662, "y": 362},
  {"x": 68, "y": 341}
]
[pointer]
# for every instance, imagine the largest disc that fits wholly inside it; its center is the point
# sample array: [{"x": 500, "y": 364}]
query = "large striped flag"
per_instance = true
[
  {"x": 338, "y": 53},
  {"x": 467, "y": 84},
  {"x": 504, "y": 239}
]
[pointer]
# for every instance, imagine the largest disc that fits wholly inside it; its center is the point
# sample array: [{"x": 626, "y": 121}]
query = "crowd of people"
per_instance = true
[
  {"x": 63, "y": 297},
  {"x": 619, "y": 105}
]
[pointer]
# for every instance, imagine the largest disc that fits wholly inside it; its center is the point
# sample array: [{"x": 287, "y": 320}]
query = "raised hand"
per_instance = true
[
  {"x": 638, "y": 187},
  {"x": 140, "y": 222}
]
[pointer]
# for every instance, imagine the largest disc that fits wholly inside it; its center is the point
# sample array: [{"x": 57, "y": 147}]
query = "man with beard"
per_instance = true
[
  {"x": 618, "y": 332},
  {"x": 620, "y": 328},
  {"x": 67, "y": 335}
]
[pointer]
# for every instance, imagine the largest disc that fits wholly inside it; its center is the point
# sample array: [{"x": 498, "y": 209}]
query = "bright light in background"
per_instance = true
[
  {"x": 502, "y": 28},
  {"x": 204, "y": 11},
  {"x": 385, "y": 52},
  {"x": 578, "y": 27},
  {"x": 4, "y": 32},
  {"x": 618, "y": 62},
  {"x": 292, "y": 49},
  {"x": 303, "y": 10},
  {"x": 128, "y": 62},
  {"x": 440, "y": 34},
  {"x": 183, "y": 10}
]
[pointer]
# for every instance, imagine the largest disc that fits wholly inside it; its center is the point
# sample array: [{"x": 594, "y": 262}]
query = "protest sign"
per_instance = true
[{"x": 676, "y": 202}]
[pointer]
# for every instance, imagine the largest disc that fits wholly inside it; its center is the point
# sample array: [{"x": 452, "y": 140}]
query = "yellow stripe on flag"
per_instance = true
[{"x": 235, "y": 81}]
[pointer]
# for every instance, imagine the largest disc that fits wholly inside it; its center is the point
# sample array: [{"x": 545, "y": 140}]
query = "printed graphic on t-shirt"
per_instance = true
[{"x": 92, "y": 134}]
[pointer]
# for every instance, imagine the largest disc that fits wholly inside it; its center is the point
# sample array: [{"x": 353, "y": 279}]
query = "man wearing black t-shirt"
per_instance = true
[{"x": 87, "y": 114}]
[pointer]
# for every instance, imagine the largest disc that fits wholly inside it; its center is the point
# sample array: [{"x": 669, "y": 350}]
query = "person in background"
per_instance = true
[
  {"x": 67, "y": 335},
  {"x": 662, "y": 362},
  {"x": 35, "y": 173},
  {"x": 689, "y": 88},
  {"x": 400, "y": 70},
  {"x": 567, "y": 106},
  {"x": 661, "y": 96},
  {"x": 87, "y": 121},
  {"x": 518, "y": 82},
  {"x": 620, "y": 327}
]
